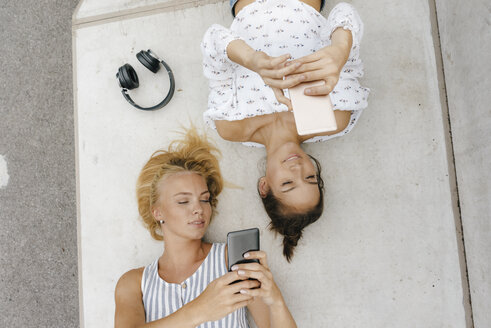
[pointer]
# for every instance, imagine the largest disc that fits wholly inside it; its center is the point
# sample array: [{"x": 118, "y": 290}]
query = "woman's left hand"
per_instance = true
[
  {"x": 325, "y": 64},
  {"x": 268, "y": 290}
]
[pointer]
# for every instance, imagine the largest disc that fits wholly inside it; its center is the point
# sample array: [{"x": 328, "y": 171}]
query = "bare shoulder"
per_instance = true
[
  {"x": 239, "y": 131},
  {"x": 244, "y": 130},
  {"x": 129, "y": 311},
  {"x": 130, "y": 282}
]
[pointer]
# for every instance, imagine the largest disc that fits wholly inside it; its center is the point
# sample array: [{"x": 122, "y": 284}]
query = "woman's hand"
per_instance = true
[
  {"x": 324, "y": 65},
  {"x": 271, "y": 69},
  {"x": 268, "y": 290},
  {"x": 269, "y": 309},
  {"x": 221, "y": 298}
]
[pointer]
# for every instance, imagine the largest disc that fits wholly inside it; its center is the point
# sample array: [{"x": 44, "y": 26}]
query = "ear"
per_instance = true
[
  {"x": 263, "y": 187},
  {"x": 157, "y": 215}
]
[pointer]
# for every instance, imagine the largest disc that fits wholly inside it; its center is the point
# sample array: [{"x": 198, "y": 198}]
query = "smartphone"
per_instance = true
[
  {"x": 313, "y": 114},
  {"x": 239, "y": 243}
]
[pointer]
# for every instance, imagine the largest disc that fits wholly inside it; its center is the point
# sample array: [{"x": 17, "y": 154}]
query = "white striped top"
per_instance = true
[{"x": 161, "y": 298}]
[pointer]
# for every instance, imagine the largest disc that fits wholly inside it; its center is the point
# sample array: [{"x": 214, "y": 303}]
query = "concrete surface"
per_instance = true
[
  {"x": 90, "y": 8},
  {"x": 385, "y": 252},
  {"x": 466, "y": 44},
  {"x": 93, "y": 10},
  {"x": 38, "y": 245}
]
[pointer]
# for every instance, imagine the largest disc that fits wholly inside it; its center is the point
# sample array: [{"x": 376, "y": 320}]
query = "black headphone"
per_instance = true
[{"x": 129, "y": 80}]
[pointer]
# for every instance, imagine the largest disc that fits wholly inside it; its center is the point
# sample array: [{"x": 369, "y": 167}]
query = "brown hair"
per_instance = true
[
  {"x": 193, "y": 153},
  {"x": 289, "y": 223}
]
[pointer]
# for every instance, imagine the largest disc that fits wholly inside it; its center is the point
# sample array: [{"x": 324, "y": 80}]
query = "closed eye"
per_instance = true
[
  {"x": 312, "y": 179},
  {"x": 286, "y": 182}
]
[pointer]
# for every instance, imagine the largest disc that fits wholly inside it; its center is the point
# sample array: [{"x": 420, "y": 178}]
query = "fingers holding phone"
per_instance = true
[
  {"x": 325, "y": 64},
  {"x": 221, "y": 297},
  {"x": 268, "y": 290}
]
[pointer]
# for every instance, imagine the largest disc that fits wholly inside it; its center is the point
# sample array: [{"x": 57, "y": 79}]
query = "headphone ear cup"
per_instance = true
[
  {"x": 148, "y": 61},
  {"x": 127, "y": 77}
]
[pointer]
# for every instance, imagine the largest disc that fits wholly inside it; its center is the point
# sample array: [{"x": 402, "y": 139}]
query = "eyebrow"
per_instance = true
[
  {"x": 312, "y": 183},
  {"x": 188, "y": 193}
]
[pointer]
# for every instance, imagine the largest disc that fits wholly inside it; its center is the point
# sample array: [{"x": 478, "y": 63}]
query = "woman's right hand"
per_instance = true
[
  {"x": 271, "y": 69},
  {"x": 221, "y": 298}
]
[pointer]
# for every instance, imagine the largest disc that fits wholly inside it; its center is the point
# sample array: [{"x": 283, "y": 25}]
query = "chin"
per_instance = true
[{"x": 198, "y": 233}]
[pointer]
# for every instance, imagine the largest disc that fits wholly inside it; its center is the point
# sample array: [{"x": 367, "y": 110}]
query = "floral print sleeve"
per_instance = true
[
  {"x": 345, "y": 16},
  {"x": 219, "y": 70},
  {"x": 216, "y": 64}
]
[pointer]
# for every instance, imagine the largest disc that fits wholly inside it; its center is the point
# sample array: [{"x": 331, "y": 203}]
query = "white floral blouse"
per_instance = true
[{"x": 278, "y": 27}]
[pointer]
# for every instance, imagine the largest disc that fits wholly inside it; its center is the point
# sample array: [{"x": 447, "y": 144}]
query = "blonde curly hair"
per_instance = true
[{"x": 192, "y": 153}]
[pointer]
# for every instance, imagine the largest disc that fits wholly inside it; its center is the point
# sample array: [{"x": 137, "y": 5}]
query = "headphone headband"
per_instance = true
[{"x": 128, "y": 79}]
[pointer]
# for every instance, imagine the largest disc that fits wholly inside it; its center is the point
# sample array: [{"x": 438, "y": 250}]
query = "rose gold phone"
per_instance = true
[{"x": 313, "y": 114}]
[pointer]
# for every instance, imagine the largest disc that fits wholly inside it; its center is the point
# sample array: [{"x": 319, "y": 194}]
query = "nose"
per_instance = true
[
  {"x": 198, "y": 209},
  {"x": 294, "y": 166}
]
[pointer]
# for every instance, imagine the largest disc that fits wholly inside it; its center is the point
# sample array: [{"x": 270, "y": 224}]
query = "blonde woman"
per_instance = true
[{"x": 188, "y": 285}]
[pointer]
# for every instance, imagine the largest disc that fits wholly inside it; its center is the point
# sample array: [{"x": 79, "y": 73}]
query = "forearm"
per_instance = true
[
  {"x": 342, "y": 38},
  {"x": 240, "y": 52},
  {"x": 185, "y": 317},
  {"x": 280, "y": 316}
]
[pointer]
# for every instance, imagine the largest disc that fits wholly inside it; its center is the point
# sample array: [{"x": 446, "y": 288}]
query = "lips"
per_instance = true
[
  {"x": 291, "y": 157},
  {"x": 197, "y": 223}
]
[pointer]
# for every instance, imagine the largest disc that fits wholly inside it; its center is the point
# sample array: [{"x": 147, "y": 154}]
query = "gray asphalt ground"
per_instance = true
[{"x": 38, "y": 223}]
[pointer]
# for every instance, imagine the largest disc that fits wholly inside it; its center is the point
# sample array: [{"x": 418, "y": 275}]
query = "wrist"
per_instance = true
[
  {"x": 241, "y": 53},
  {"x": 193, "y": 315},
  {"x": 278, "y": 304},
  {"x": 248, "y": 59}
]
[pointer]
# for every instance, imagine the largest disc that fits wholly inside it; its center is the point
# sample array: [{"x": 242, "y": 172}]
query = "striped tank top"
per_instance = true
[{"x": 161, "y": 298}]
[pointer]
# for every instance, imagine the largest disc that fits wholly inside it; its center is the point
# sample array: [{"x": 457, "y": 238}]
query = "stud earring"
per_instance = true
[{"x": 161, "y": 222}]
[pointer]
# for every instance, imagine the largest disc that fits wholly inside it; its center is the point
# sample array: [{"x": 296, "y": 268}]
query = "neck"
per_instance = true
[
  {"x": 277, "y": 133},
  {"x": 182, "y": 253}
]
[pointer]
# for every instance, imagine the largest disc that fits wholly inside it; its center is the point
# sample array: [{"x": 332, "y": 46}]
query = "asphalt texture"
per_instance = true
[{"x": 38, "y": 222}]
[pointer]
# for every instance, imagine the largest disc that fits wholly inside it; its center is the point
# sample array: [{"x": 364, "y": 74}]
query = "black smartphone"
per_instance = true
[{"x": 239, "y": 243}]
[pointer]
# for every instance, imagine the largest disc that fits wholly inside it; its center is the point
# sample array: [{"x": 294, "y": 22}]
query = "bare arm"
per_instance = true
[
  {"x": 216, "y": 301},
  {"x": 271, "y": 69},
  {"x": 346, "y": 28},
  {"x": 269, "y": 309},
  {"x": 130, "y": 312},
  {"x": 325, "y": 64},
  {"x": 274, "y": 316}
]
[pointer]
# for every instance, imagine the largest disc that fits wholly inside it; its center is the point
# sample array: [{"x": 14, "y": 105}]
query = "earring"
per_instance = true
[{"x": 161, "y": 222}]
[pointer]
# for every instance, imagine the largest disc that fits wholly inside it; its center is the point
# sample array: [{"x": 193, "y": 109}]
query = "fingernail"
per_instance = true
[
  {"x": 243, "y": 291},
  {"x": 241, "y": 273},
  {"x": 234, "y": 268},
  {"x": 246, "y": 255}
]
